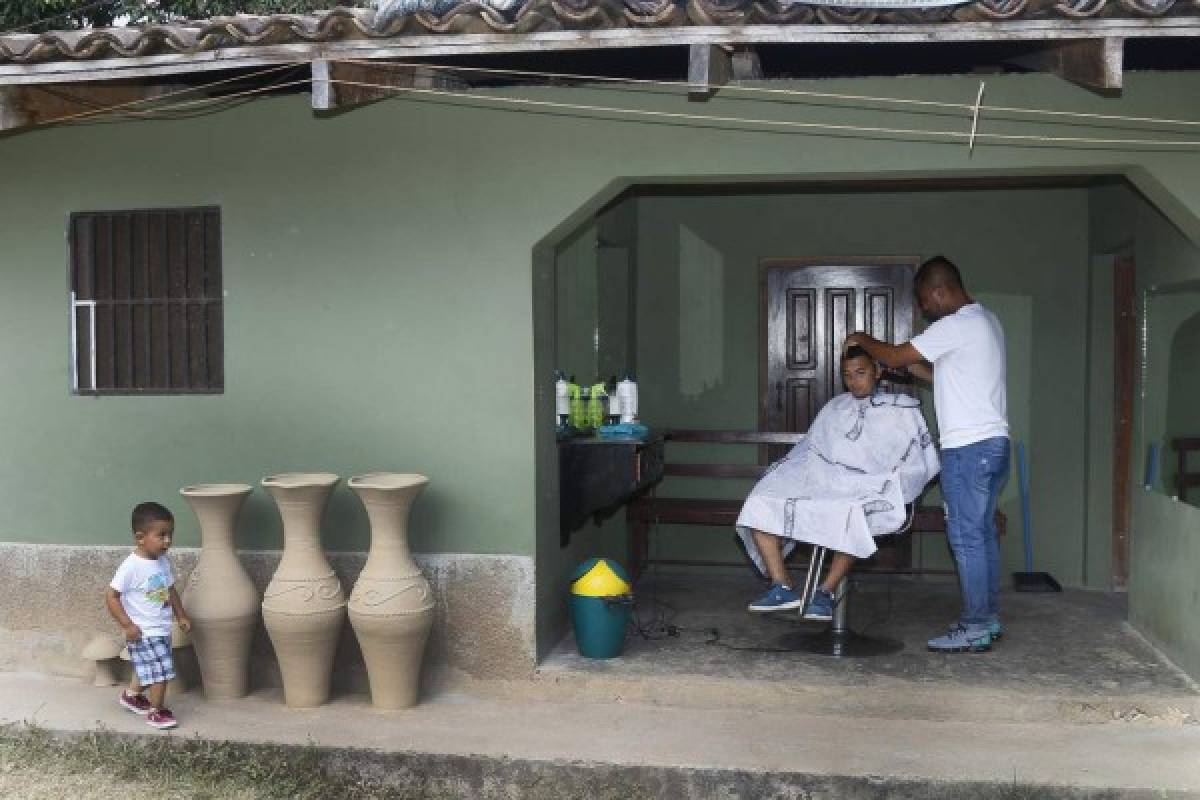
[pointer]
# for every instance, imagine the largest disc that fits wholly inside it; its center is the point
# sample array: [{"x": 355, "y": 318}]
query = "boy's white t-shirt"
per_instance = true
[
  {"x": 966, "y": 349},
  {"x": 144, "y": 584}
]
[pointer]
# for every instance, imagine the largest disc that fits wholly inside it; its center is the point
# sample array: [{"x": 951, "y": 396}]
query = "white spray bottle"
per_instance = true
[{"x": 627, "y": 399}]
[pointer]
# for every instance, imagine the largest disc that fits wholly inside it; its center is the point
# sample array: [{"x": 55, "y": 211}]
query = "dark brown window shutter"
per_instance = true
[{"x": 146, "y": 301}]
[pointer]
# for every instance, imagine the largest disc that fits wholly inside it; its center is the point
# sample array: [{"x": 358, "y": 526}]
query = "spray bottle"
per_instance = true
[
  {"x": 562, "y": 398},
  {"x": 627, "y": 399}
]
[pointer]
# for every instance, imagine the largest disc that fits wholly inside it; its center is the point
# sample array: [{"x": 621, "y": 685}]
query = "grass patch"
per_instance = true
[{"x": 185, "y": 767}]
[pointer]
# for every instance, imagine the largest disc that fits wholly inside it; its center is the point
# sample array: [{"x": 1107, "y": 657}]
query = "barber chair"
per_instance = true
[{"x": 838, "y": 640}]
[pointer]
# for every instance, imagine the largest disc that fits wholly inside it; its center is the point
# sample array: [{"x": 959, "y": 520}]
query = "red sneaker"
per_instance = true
[
  {"x": 161, "y": 719},
  {"x": 137, "y": 703}
]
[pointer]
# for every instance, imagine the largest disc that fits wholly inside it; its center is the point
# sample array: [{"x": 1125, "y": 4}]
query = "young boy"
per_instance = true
[
  {"x": 866, "y": 454},
  {"x": 142, "y": 599}
]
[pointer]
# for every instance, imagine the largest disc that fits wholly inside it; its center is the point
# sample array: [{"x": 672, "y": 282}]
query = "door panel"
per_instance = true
[{"x": 808, "y": 310}]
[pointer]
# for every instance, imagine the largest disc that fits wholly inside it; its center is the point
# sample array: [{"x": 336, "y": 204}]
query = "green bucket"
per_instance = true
[
  {"x": 600, "y": 624},
  {"x": 601, "y": 604}
]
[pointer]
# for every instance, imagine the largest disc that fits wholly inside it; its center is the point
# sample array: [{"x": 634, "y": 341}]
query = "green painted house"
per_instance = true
[{"x": 254, "y": 245}]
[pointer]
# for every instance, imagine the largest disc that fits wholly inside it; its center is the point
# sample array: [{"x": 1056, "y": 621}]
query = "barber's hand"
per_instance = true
[
  {"x": 133, "y": 633},
  {"x": 855, "y": 340}
]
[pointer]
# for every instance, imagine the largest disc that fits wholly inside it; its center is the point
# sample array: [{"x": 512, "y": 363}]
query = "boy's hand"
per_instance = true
[
  {"x": 185, "y": 623},
  {"x": 133, "y": 633}
]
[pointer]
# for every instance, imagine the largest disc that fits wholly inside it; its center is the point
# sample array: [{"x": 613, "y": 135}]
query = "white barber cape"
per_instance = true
[{"x": 848, "y": 480}]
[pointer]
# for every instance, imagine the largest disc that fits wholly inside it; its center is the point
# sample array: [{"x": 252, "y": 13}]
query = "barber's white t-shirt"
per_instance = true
[
  {"x": 144, "y": 584},
  {"x": 966, "y": 349}
]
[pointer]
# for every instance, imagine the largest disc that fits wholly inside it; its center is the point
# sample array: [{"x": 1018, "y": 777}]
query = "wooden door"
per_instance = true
[{"x": 808, "y": 308}]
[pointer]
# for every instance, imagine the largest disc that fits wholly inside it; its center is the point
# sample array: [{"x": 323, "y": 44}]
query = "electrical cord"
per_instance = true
[{"x": 652, "y": 619}]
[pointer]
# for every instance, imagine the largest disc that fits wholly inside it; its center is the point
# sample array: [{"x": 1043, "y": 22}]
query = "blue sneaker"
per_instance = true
[
  {"x": 777, "y": 598},
  {"x": 820, "y": 607},
  {"x": 961, "y": 639},
  {"x": 994, "y": 628}
]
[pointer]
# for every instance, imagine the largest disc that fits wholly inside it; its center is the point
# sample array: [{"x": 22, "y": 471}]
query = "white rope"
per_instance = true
[
  {"x": 916, "y": 133},
  {"x": 120, "y": 107},
  {"x": 824, "y": 126},
  {"x": 967, "y": 108},
  {"x": 975, "y": 118}
]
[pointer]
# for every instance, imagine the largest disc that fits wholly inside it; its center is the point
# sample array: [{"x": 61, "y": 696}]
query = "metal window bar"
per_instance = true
[{"x": 90, "y": 305}]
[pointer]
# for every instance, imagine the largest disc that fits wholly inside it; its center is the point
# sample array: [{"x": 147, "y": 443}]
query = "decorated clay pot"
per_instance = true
[
  {"x": 391, "y": 607},
  {"x": 219, "y": 596},
  {"x": 304, "y": 606}
]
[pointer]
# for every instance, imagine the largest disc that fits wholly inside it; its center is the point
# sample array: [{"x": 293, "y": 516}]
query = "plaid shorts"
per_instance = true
[{"x": 151, "y": 657}]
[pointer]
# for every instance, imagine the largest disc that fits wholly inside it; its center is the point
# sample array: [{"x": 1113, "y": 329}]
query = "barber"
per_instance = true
[{"x": 962, "y": 354}]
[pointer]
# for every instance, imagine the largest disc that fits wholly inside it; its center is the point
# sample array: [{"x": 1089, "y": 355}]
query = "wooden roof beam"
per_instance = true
[
  {"x": 341, "y": 86},
  {"x": 747, "y": 66},
  {"x": 29, "y": 106},
  {"x": 1095, "y": 64},
  {"x": 710, "y": 66}
]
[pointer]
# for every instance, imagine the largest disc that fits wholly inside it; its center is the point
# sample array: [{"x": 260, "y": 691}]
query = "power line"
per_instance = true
[
  {"x": 652, "y": 115},
  {"x": 121, "y": 107},
  {"x": 965, "y": 107},
  {"x": 770, "y": 123}
]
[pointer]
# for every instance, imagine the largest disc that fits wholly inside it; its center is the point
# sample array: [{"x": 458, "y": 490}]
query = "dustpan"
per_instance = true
[{"x": 1029, "y": 581}]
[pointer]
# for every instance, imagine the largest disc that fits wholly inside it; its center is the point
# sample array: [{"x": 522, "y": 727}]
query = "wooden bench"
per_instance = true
[
  {"x": 648, "y": 510},
  {"x": 1185, "y": 480}
]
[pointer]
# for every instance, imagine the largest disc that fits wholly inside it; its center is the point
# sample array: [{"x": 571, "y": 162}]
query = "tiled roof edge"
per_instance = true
[{"x": 470, "y": 17}]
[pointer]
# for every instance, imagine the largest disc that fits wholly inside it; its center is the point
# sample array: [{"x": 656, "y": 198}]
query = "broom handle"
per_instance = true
[{"x": 1026, "y": 523}]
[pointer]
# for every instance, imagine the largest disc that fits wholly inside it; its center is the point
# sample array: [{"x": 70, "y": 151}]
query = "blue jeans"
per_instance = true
[{"x": 972, "y": 477}]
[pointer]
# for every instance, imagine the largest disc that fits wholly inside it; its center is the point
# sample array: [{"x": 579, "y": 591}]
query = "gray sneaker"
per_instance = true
[
  {"x": 994, "y": 628},
  {"x": 961, "y": 639}
]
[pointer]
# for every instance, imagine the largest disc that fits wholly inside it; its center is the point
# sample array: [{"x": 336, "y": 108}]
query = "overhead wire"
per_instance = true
[
  {"x": 963, "y": 107},
  {"x": 966, "y": 108},
  {"x": 161, "y": 111},
  {"x": 99, "y": 110},
  {"x": 775, "y": 123}
]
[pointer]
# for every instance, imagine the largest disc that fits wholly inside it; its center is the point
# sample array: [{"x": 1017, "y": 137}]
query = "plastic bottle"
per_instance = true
[
  {"x": 627, "y": 399},
  {"x": 578, "y": 405},
  {"x": 597, "y": 406},
  {"x": 562, "y": 398}
]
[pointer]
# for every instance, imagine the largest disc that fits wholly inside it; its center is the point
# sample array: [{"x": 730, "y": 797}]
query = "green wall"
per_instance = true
[
  {"x": 1164, "y": 593},
  {"x": 1023, "y": 253},
  {"x": 1183, "y": 394},
  {"x": 1164, "y": 587},
  {"x": 383, "y": 312}
]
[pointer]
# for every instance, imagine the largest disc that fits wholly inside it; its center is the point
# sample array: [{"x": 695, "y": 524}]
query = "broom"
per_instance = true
[{"x": 1029, "y": 581}]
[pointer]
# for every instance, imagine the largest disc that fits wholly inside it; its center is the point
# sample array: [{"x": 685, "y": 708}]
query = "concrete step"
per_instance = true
[
  {"x": 881, "y": 700},
  {"x": 457, "y": 744}
]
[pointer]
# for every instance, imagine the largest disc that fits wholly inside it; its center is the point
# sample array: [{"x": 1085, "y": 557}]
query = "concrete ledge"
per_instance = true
[
  {"x": 51, "y": 604},
  {"x": 477, "y": 777},
  {"x": 456, "y": 744}
]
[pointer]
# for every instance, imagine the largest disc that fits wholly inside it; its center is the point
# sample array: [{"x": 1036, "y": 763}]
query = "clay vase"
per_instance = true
[
  {"x": 304, "y": 606},
  {"x": 219, "y": 596},
  {"x": 391, "y": 606}
]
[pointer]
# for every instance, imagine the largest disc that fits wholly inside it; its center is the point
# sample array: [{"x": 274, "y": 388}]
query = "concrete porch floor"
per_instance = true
[
  {"x": 1069, "y": 657},
  {"x": 1098, "y": 716}
]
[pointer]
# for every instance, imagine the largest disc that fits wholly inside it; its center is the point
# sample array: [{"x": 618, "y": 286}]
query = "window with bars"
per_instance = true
[{"x": 146, "y": 312}]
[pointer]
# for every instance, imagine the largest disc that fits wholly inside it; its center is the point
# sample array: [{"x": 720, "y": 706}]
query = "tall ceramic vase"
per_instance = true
[
  {"x": 304, "y": 606},
  {"x": 391, "y": 606},
  {"x": 219, "y": 596}
]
